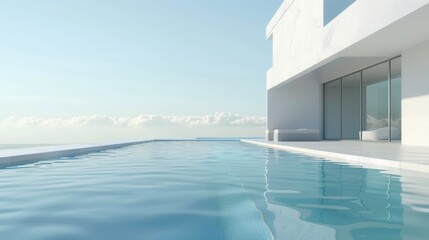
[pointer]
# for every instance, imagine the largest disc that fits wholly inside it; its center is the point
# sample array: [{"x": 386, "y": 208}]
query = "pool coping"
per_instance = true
[
  {"x": 19, "y": 156},
  {"x": 352, "y": 159}
]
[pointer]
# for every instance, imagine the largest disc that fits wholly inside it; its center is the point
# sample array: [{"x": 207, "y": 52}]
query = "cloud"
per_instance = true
[
  {"x": 217, "y": 119},
  {"x": 102, "y": 128}
]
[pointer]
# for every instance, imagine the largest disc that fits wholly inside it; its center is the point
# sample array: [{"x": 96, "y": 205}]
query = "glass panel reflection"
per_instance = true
[
  {"x": 350, "y": 121},
  {"x": 332, "y": 110},
  {"x": 375, "y": 103}
]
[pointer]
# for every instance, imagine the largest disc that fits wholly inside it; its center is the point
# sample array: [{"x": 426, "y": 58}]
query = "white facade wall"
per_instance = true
[
  {"x": 360, "y": 20},
  {"x": 301, "y": 43},
  {"x": 299, "y": 31},
  {"x": 415, "y": 95}
]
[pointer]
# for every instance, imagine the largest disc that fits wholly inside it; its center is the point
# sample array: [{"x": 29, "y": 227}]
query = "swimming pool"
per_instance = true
[{"x": 208, "y": 190}]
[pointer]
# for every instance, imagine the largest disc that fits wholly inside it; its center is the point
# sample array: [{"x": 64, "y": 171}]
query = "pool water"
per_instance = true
[{"x": 208, "y": 190}]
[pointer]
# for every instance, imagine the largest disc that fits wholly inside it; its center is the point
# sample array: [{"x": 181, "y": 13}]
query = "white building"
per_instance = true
[{"x": 352, "y": 69}]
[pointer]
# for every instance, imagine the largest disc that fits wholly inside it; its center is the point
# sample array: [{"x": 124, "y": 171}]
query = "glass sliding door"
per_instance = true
[
  {"x": 350, "y": 106},
  {"x": 365, "y": 105},
  {"x": 375, "y": 97},
  {"x": 395, "y": 98},
  {"x": 332, "y": 110}
]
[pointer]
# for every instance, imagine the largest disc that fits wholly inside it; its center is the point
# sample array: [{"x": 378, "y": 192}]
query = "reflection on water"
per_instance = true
[
  {"x": 309, "y": 198},
  {"x": 356, "y": 202}
]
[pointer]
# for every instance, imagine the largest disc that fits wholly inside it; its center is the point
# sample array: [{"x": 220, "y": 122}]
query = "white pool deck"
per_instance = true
[{"x": 381, "y": 155}]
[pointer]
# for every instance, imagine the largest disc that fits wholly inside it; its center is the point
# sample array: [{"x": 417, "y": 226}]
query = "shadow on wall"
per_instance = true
[{"x": 296, "y": 105}]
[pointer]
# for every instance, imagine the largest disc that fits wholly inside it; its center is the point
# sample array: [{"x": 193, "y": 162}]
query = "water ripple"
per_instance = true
[{"x": 208, "y": 190}]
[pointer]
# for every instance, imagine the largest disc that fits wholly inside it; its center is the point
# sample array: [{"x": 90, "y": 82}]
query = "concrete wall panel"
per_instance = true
[{"x": 415, "y": 96}]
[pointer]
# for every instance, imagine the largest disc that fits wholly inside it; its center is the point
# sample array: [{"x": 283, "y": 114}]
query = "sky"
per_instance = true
[{"x": 110, "y": 70}]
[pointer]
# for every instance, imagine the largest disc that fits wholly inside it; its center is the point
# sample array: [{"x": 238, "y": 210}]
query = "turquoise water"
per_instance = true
[{"x": 208, "y": 190}]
